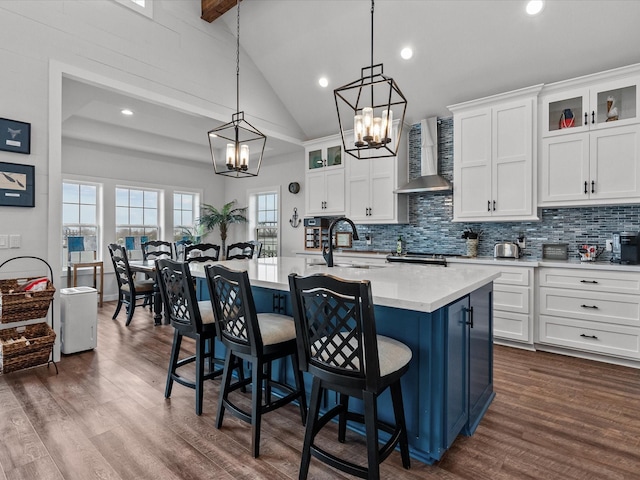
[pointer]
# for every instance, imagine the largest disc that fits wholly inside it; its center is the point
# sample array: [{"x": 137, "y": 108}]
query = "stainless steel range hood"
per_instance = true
[{"x": 429, "y": 181}]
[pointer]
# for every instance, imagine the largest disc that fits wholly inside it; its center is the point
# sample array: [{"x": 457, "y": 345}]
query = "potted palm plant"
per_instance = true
[{"x": 211, "y": 217}]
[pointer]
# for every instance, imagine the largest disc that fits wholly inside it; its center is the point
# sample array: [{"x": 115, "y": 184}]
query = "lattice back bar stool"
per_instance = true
[
  {"x": 339, "y": 347},
  {"x": 259, "y": 338},
  {"x": 189, "y": 318}
]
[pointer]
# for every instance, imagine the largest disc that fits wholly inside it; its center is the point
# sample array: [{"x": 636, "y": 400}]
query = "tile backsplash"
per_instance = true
[{"x": 430, "y": 227}]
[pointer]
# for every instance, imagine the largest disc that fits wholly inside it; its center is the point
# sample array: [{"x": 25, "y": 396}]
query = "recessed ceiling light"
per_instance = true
[
  {"x": 126, "y": 111},
  {"x": 534, "y": 7},
  {"x": 406, "y": 53},
  {"x": 323, "y": 82}
]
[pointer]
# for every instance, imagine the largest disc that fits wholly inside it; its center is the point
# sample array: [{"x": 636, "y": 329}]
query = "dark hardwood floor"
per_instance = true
[{"x": 104, "y": 416}]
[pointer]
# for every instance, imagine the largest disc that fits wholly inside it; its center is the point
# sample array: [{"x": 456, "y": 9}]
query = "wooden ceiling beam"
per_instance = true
[{"x": 212, "y": 9}]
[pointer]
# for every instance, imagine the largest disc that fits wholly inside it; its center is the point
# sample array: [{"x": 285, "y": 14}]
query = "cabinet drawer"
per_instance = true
[
  {"x": 593, "y": 306},
  {"x": 590, "y": 280},
  {"x": 514, "y": 276},
  {"x": 512, "y": 326},
  {"x": 511, "y": 298},
  {"x": 590, "y": 336}
]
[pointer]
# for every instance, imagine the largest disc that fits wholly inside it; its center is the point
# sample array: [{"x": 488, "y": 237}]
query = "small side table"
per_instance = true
[{"x": 95, "y": 265}]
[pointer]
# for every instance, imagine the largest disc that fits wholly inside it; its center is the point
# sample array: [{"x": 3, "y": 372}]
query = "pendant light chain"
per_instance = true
[
  {"x": 371, "y": 72},
  {"x": 238, "y": 60}
]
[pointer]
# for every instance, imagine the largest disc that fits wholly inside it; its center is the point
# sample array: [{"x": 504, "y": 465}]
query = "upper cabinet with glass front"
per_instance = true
[
  {"x": 593, "y": 102},
  {"x": 325, "y": 154}
]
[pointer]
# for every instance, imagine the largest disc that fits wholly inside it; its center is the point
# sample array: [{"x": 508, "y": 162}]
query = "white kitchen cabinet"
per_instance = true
[
  {"x": 590, "y": 311},
  {"x": 370, "y": 186},
  {"x": 591, "y": 168},
  {"x": 325, "y": 177},
  {"x": 594, "y": 105},
  {"x": 494, "y": 158}
]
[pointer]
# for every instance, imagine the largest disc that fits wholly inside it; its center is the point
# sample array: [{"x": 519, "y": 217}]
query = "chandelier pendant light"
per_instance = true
[
  {"x": 237, "y": 147},
  {"x": 366, "y": 112}
]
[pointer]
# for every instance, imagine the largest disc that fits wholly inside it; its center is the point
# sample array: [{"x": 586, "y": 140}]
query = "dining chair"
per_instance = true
[
  {"x": 240, "y": 250},
  {"x": 257, "y": 248},
  {"x": 154, "y": 249},
  {"x": 189, "y": 318},
  {"x": 259, "y": 338},
  {"x": 339, "y": 347},
  {"x": 201, "y": 252},
  {"x": 130, "y": 290}
]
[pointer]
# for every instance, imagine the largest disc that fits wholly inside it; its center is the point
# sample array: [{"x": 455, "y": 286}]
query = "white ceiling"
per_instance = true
[{"x": 464, "y": 49}]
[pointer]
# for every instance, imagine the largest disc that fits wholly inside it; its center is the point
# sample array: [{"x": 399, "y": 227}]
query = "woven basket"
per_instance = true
[
  {"x": 18, "y": 306},
  {"x": 18, "y": 355}
]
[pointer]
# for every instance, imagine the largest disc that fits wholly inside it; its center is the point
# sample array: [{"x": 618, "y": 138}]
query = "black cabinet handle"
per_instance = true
[
  {"x": 469, "y": 312},
  {"x": 593, "y": 186},
  {"x": 588, "y": 281},
  {"x": 593, "y": 116},
  {"x": 588, "y": 336},
  {"x": 585, "y": 188},
  {"x": 594, "y": 307},
  {"x": 488, "y": 205},
  {"x": 494, "y": 205},
  {"x": 586, "y": 118}
]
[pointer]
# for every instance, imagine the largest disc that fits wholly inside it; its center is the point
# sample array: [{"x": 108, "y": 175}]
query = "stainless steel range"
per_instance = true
[{"x": 425, "y": 258}]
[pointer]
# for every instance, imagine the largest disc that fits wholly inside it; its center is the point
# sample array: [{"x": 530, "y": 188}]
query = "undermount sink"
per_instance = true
[
  {"x": 345, "y": 265},
  {"x": 357, "y": 265}
]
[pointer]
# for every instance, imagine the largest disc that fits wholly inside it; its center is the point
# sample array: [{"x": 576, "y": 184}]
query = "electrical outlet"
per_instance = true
[
  {"x": 14, "y": 241},
  {"x": 368, "y": 238},
  {"x": 4, "y": 241},
  {"x": 609, "y": 245}
]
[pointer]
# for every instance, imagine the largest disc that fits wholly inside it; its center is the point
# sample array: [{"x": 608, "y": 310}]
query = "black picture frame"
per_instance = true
[
  {"x": 15, "y": 136},
  {"x": 17, "y": 185}
]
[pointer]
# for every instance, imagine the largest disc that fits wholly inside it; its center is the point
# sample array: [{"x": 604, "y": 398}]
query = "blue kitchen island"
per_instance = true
[{"x": 442, "y": 313}]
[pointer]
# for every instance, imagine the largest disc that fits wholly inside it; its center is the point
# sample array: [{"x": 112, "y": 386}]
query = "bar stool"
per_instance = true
[
  {"x": 339, "y": 347},
  {"x": 257, "y": 338},
  {"x": 189, "y": 318}
]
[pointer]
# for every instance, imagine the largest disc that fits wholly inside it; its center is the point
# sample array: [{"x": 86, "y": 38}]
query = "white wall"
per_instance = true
[
  {"x": 286, "y": 170},
  {"x": 175, "y": 58}
]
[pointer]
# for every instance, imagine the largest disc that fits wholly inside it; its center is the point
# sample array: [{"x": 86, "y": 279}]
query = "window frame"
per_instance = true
[
  {"x": 253, "y": 215},
  {"x": 136, "y": 253},
  {"x": 195, "y": 211},
  {"x": 98, "y": 226}
]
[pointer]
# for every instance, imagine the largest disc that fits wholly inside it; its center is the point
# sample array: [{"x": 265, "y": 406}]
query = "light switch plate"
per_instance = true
[
  {"x": 14, "y": 241},
  {"x": 4, "y": 241}
]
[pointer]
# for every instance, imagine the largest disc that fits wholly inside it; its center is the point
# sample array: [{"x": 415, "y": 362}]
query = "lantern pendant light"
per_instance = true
[
  {"x": 369, "y": 103},
  {"x": 233, "y": 143}
]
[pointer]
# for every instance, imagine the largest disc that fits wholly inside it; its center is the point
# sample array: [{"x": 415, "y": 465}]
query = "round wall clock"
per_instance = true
[{"x": 294, "y": 187}]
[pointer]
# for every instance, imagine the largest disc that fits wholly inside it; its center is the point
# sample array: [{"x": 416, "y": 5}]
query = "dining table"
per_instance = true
[{"x": 148, "y": 267}]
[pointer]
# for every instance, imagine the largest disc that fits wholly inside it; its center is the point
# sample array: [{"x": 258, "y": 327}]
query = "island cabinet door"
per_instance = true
[
  {"x": 480, "y": 355},
  {"x": 456, "y": 372}
]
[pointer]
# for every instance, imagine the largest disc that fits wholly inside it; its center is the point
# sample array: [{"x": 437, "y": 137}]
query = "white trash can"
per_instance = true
[{"x": 79, "y": 319}]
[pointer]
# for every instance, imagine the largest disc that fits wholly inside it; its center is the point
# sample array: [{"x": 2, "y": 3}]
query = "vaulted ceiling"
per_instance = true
[{"x": 463, "y": 49}]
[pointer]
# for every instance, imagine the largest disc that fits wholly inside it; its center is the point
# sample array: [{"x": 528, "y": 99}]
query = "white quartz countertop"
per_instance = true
[
  {"x": 423, "y": 288},
  {"x": 515, "y": 262}
]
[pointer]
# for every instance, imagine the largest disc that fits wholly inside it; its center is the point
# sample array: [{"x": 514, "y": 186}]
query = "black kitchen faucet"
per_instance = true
[{"x": 327, "y": 251}]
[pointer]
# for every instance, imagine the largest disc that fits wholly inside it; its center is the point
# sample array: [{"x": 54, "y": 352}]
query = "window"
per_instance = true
[
  {"x": 80, "y": 228},
  {"x": 185, "y": 206},
  {"x": 145, "y": 7},
  {"x": 136, "y": 218},
  {"x": 266, "y": 222}
]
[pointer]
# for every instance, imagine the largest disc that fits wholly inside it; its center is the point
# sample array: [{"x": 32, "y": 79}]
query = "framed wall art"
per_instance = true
[
  {"x": 15, "y": 136},
  {"x": 17, "y": 185}
]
